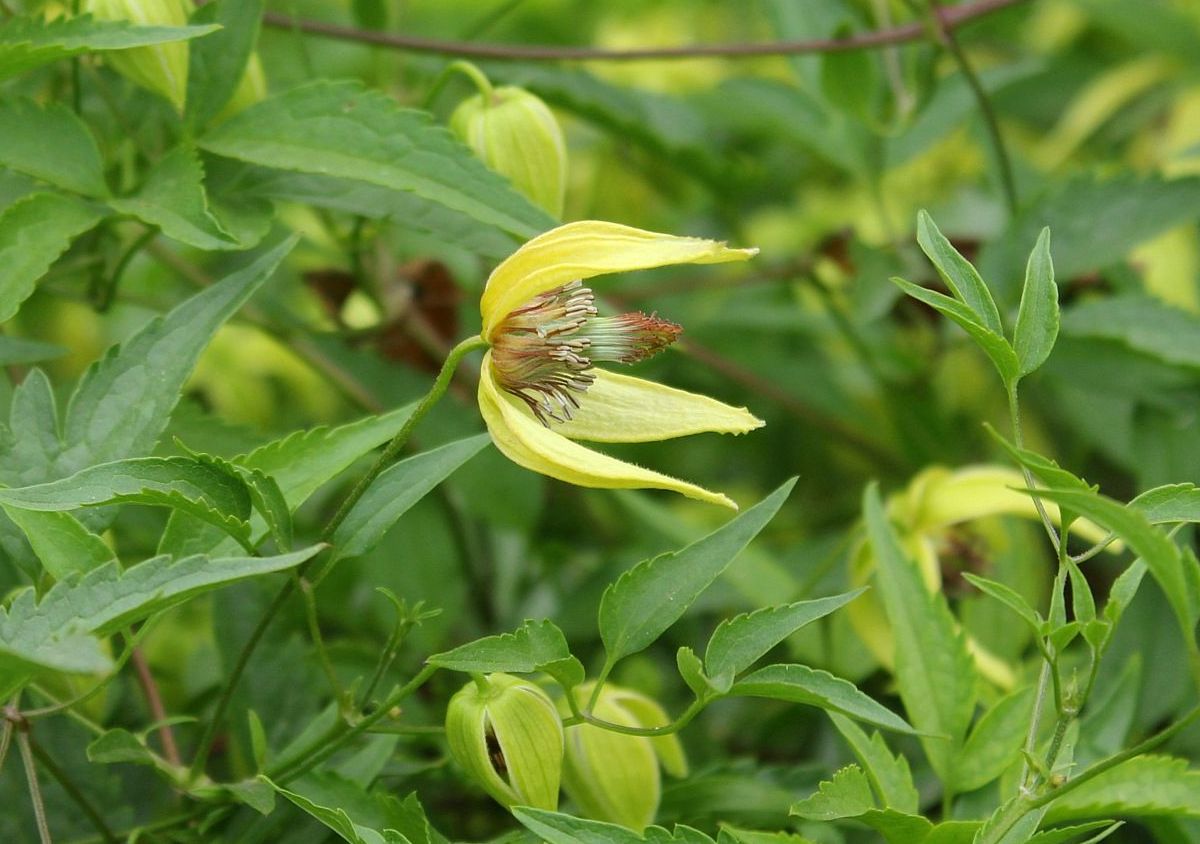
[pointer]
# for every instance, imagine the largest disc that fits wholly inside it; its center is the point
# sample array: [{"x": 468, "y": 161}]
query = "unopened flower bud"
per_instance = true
[
  {"x": 614, "y": 776},
  {"x": 162, "y": 68},
  {"x": 508, "y": 737},
  {"x": 516, "y": 135}
]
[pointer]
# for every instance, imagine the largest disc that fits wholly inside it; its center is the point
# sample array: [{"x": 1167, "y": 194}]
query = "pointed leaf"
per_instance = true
[
  {"x": 1143, "y": 786},
  {"x": 962, "y": 278},
  {"x": 650, "y": 597},
  {"x": 217, "y": 63},
  {"x": 889, "y": 773},
  {"x": 1037, "y": 319},
  {"x": 34, "y": 231},
  {"x": 174, "y": 199},
  {"x": 811, "y": 686},
  {"x": 342, "y": 129},
  {"x": 1008, "y": 596},
  {"x": 995, "y": 743},
  {"x": 52, "y": 144},
  {"x": 535, "y": 646},
  {"x": 934, "y": 671},
  {"x": 64, "y": 546},
  {"x": 398, "y": 488},
  {"x": 739, "y": 642}
]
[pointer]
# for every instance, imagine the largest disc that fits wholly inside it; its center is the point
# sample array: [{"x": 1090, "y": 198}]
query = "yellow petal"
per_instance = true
[
  {"x": 528, "y": 443},
  {"x": 585, "y": 249},
  {"x": 621, "y": 409}
]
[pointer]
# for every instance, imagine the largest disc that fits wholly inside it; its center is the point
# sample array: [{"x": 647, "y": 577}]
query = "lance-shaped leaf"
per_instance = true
[
  {"x": 848, "y": 796},
  {"x": 28, "y": 41},
  {"x": 58, "y": 632},
  {"x": 216, "y": 64},
  {"x": 1037, "y": 319},
  {"x": 651, "y": 596},
  {"x": 535, "y": 646},
  {"x": 52, "y": 144},
  {"x": 934, "y": 671},
  {"x": 342, "y": 129},
  {"x": 34, "y": 231},
  {"x": 813, "y": 687},
  {"x": 63, "y": 545},
  {"x": 962, "y": 278}
]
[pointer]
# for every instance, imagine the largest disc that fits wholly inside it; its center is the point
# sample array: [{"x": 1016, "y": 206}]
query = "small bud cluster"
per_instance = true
[{"x": 544, "y": 349}]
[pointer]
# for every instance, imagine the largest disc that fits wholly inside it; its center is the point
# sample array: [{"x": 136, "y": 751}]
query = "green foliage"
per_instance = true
[{"x": 977, "y": 650}]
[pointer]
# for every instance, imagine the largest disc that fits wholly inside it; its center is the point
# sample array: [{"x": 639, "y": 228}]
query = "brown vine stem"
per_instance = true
[
  {"x": 154, "y": 701},
  {"x": 951, "y": 17}
]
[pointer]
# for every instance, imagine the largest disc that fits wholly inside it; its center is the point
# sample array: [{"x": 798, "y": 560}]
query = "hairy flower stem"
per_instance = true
[{"x": 436, "y": 392}]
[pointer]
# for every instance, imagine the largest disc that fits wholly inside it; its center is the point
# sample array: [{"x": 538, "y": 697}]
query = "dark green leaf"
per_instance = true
[
  {"x": 64, "y": 546},
  {"x": 934, "y": 671},
  {"x": 1008, "y": 596},
  {"x": 57, "y": 632},
  {"x": 995, "y": 742},
  {"x": 216, "y": 63},
  {"x": 122, "y": 405},
  {"x": 535, "y": 646},
  {"x": 848, "y": 795},
  {"x": 341, "y": 129},
  {"x": 1070, "y": 833},
  {"x": 889, "y": 773},
  {"x": 52, "y": 144},
  {"x": 962, "y": 278},
  {"x": 1170, "y": 503},
  {"x": 173, "y": 198},
  {"x": 1037, "y": 320},
  {"x": 19, "y": 350},
  {"x": 650, "y": 597},
  {"x": 813, "y": 687},
  {"x": 397, "y": 489},
  {"x": 27, "y": 41},
  {"x": 739, "y": 642},
  {"x": 34, "y": 231},
  {"x": 1146, "y": 785},
  {"x": 1142, "y": 323}
]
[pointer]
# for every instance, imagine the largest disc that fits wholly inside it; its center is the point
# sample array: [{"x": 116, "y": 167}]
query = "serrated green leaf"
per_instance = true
[
  {"x": 31, "y": 444},
  {"x": 57, "y": 632},
  {"x": 557, "y": 828},
  {"x": 398, "y": 488},
  {"x": 183, "y": 483},
  {"x": 216, "y": 63},
  {"x": 408, "y": 210},
  {"x": 1037, "y": 319},
  {"x": 52, "y": 144},
  {"x": 299, "y": 463},
  {"x": 995, "y": 742},
  {"x": 730, "y": 835},
  {"x": 651, "y": 596},
  {"x": 173, "y": 198},
  {"x": 935, "y": 673},
  {"x": 118, "y": 745},
  {"x": 1146, "y": 785},
  {"x": 122, "y": 405},
  {"x": 336, "y": 819},
  {"x": 811, "y": 686},
  {"x": 1070, "y": 833},
  {"x": 1169, "y": 503},
  {"x": 848, "y": 796},
  {"x": 739, "y": 642},
  {"x": 63, "y": 545},
  {"x": 1083, "y": 605},
  {"x": 535, "y": 646},
  {"x": 889, "y": 773},
  {"x": 1008, "y": 596},
  {"x": 993, "y": 345},
  {"x": 265, "y": 496},
  {"x": 1160, "y": 554},
  {"x": 691, "y": 670},
  {"x": 34, "y": 232},
  {"x": 20, "y": 350},
  {"x": 28, "y": 41},
  {"x": 962, "y": 278},
  {"x": 342, "y": 129}
]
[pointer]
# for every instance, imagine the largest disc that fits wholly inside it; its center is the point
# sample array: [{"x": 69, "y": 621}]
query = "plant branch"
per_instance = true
[
  {"x": 950, "y": 18},
  {"x": 157, "y": 711},
  {"x": 73, "y": 791},
  {"x": 35, "y": 791},
  {"x": 439, "y": 388}
]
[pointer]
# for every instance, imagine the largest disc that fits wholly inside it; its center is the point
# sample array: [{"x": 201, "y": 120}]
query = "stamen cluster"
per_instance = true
[{"x": 543, "y": 350}]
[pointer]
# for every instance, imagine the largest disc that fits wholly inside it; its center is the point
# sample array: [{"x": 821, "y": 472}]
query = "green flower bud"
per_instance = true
[
  {"x": 516, "y": 135},
  {"x": 162, "y": 68},
  {"x": 613, "y": 776},
  {"x": 507, "y": 735},
  {"x": 252, "y": 88}
]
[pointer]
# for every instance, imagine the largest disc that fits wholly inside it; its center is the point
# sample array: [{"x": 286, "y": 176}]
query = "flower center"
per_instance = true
[{"x": 543, "y": 350}]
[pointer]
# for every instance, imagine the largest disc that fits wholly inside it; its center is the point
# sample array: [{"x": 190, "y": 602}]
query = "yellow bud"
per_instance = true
[
  {"x": 516, "y": 135},
  {"x": 161, "y": 68},
  {"x": 613, "y": 776},
  {"x": 508, "y": 737}
]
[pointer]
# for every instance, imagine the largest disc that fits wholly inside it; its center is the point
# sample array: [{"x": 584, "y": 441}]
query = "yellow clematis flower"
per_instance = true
[{"x": 539, "y": 390}]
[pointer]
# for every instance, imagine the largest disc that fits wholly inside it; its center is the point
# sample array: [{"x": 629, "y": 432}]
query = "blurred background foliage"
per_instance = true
[{"x": 821, "y": 161}]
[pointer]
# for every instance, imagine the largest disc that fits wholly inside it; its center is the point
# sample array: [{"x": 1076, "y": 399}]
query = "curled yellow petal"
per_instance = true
[
  {"x": 622, "y": 409},
  {"x": 585, "y": 249},
  {"x": 528, "y": 443}
]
